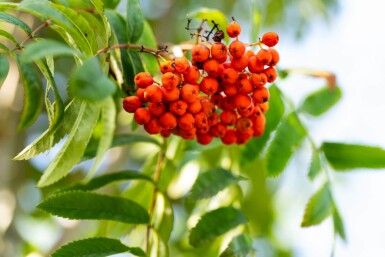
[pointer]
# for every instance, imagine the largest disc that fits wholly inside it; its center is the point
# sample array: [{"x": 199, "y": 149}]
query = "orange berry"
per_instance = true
[
  {"x": 140, "y": 94},
  {"x": 271, "y": 74},
  {"x": 240, "y": 63},
  {"x": 189, "y": 92},
  {"x": 193, "y": 75},
  {"x": 242, "y": 101},
  {"x": 264, "y": 107},
  {"x": 259, "y": 121},
  {"x": 248, "y": 112},
  {"x": 142, "y": 116},
  {"x": 245, "y": 86},
  {"x": 156, "y": 109},
  {"x": 270, "y": 39},
  {"x": 178, "y": 107},
  {"x": 229, "y": 75},
  {"x": 243, "y": 124},
  {"x": 131, "y": 103},
  {"x": 274, "y": 57},
  {"x": 166, "y": 132},
  {"x": 209, "y": 85},
  {"x": 143, "y": 79},
  {"x": 244, "y": 136},
  {"x": 167, "y": 66},
  {"x": 264, "y": 56},
  {"x": 230, "y": 137},
  {"x": 186, "y": 121},
  {"x": 233, "y": 29},
  {"x": 201, "y": 119},
  {"x": 249, "y": 53},
  {"x": 153, "y": 94},
  {"x": 218, "y": 130},
  {"x": 170, "y": 95},
  {"x": 188, "y": 134},
  {"x": 216, "y": 99},
  {"x": 228, "y": 117},
  {"x": 207, "y": 107},
  {"x": 213, "y": 119},
  {"x": 194, "y": 107},
  {"x": 219, "y": 52},
  {"x": 200, "y": 53},
  {"x": 152, "y": 127},
  {"x": 258, "y": 80},
  {"x": 237, "y": 48},
  {"x": 168, "y": 120},
  {"x": 204, "y": 139},
  {"x": 228, "y": 103},
  {"x": 211, "y": 66},
  {"x": 181, "y": 65},
  {"x": 255, "y": 66},
  {"x": 261, "y": 95},
  {"x": 170, "y": 80},
  {"x": 231, "y": 90},
  {"x": 203, "y": 129}
]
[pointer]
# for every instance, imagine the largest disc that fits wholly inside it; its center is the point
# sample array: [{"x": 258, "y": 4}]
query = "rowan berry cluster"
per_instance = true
[{"x": 221, "y": 93}]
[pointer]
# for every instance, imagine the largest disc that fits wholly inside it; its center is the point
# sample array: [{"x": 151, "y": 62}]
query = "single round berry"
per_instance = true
[
  {"x": 200, "y": 53},
  {"x": 181, "y": 65},
  {"x": 153, "y": 94},
  {"x": 143, "y": 79},
  {"x": 131, "y": 103},
  {"x": 168, "y": 120},
  {"x": 152, "y": 127},
  {"x": 274, "y": 57},
  {"x": 170, "y": 80},
  {"x": 230, "y": 137},
  {"x": 178, "y": 107},
  {"x": 237, "y": 48},
  {"x": 219, "y": 52},
  {"x": 233, "y": 29},
  {"x": 270, "y": 39},
  {"x": 209, "y": 85},
  {"x": 204, "y": 139},
  {"x": 271, "y": 74},
  {"x": 142, "y": 116}
]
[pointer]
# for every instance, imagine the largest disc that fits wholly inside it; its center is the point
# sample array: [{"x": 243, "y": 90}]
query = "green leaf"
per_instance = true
[
  {"x": 109, "y": 178},
  {"x": 9, "y": 36},
  {"x": 15, "y": 21},
  {"x": 319, "y": 207},
  {"x": 349, "y": 156},
  {"x": 83, "y": 205},
  {"x": 321, "y": 101},
  {"x": 51, "y": 137},
  {"x": 47, "y": 47},
  {"x": 240, "y": 246},
  {"x": 95, "y": 247},
  {"x": 315, "y": 164},
  {"x": 4, "y": 69},
  {"x": 149, "y": 61},
  {"x": 214, "y": 224},
  {"x": 72, "y": 151},
  {"x": 57, "y": 107},
  {"x": 338, "y": 224},
  {"x": 287, "y": 139},
  {"x": 90, "y": 83},
  {"x": 273, "y": 116},
  {"x": 107, "y": 122},
  {"x": 211, "y": 182},
  {"x": 4, "y": 48},
  {"x": 135, "y": 20},
  {"x": 211, "y": 15},
  {"x": 62, "y": 23},
  {"x": 33, "y": 94}
]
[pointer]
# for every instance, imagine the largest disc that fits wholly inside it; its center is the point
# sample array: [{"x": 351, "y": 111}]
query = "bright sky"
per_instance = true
[{"x": 353, "y": 48}]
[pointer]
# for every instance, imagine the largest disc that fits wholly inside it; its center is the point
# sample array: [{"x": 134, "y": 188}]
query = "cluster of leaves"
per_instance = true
[{"x": 102, "y": 76}]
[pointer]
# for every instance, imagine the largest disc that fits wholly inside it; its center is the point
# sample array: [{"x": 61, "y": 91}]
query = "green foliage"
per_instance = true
[
  {"x": 287, "y": 139},
  {"x": 349, "y": 156},
  {"x": 86, "y": 205},
  {"x": 321, "y": 101},
  {"x": 106, "y": 179},
  {"x": 240, "y": 246},
  {"x": 47, "y": 47},
  {"x": 75, "y": 145},
  {"x": 214, "y": 224},
  {"x": 96, "y": 247},
  {"x": 4, "y": 69},
  {"x": 15, "y": 21},
  {"x": 135, "y": 20},
  {"x": 319, "y": 207},
  {"x": 33, "y": 94},
  {"x": 89, "y": 82},
  {"x": 211, "y": 182},
  {"x": 315, "y": 165}
]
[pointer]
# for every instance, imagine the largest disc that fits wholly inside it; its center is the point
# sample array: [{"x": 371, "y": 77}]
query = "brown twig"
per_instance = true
[{"x": 32, "y": 35}]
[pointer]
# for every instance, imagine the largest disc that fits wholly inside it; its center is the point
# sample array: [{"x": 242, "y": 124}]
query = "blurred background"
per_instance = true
[{"x": 343, "y": 37}]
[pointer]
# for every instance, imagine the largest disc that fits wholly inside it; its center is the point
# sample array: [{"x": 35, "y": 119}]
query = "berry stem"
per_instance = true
[
  {"x": 157, "y": 173},
  {"x": 32, "y": 35}
]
